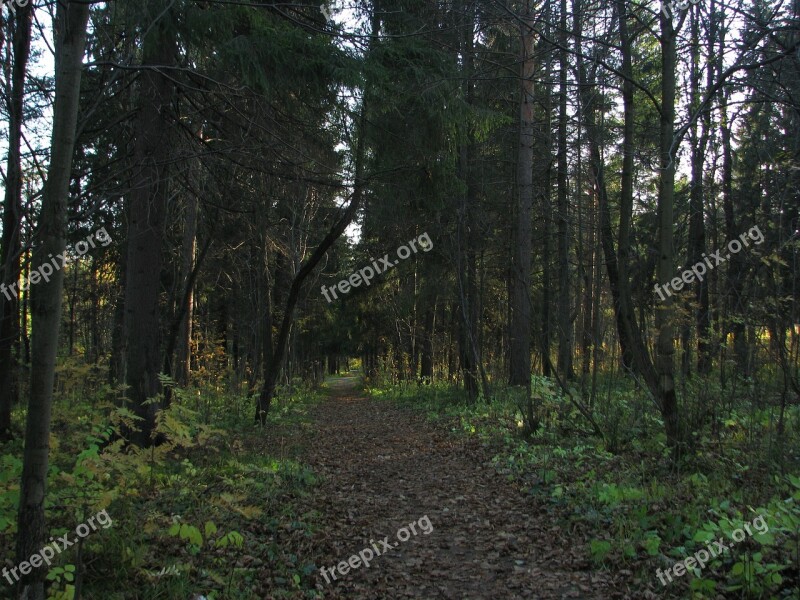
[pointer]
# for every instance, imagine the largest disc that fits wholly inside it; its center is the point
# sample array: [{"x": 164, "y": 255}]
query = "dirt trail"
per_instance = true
[{"x": 384, "y": 468}]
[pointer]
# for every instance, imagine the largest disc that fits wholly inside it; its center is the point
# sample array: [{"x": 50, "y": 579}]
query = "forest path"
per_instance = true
[{"x": 385, "y": 467}]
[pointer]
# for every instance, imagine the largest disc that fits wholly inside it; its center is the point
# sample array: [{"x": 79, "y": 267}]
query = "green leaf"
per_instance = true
[
  {"x": 191, "y": 533},
  {"x": 210, "y": 529},
  {"x": 236, "y": 539},
  {"x": 767, "y": 539},
  {"x": 703, "y": 536}
]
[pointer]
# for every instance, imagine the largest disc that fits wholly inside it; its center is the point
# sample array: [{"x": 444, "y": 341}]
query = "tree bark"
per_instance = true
[
  {"x": 426, "y": 358},
  {"x": 565, "y": 335},
  {"x": 635, "y": 355},
  {"x": 665, "y": 347},
  {"x": 183, "y": 360},
  {"x": 697, "y": 227},
  {"x": 467, "y": 234},
  {"x": 10, "y": 246},
  {"x": 148, "y": 200},
  {"x": 520, "y": 331},
  {"x": 70, "y": 41}
]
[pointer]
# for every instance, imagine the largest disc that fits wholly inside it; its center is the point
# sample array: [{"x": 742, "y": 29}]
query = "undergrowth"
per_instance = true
[
  {"x": 216, "y": 512},
  {"x": 638, "y": 509}
]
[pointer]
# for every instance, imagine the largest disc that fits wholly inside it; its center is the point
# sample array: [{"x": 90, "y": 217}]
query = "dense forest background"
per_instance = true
[{"x": 604, "y": 201}]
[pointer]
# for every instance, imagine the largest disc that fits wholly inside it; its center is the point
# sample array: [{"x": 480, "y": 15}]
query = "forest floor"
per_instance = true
[{"x": 384, "y": 467}]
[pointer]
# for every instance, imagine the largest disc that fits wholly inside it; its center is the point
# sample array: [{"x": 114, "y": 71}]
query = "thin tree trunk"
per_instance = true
[
  {"x": 70, "y": 39},
  {"x": 626, "y": 188},
  {"x": 697, "y": 228},
  {"x": 635, "y": 355},
  {"x": 565, "y": 337},
  {"x": 426, "y": 360},
  {"x": 733, "y": 323},
  {"x": 183, "y": 359}
]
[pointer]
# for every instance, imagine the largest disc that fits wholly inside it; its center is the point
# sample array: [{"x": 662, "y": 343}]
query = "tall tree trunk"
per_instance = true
[
  {"x": 94, "y": 321},
  {"x": 733, "y": 309},
  {"x": 587, "y": 244},
  {"x": 697, "y": 227},
  {"x": 70, "y": 41},
  {"x": 665, "y": 347},
  {"x": 148, "y": 201},
  {"x": 632, "y": 333},
  {"x": 467, "y": 268},
  {"x": 10, "y": 246},
  {"x": 635, "y": 355},
  {"x": 520, "y": 331},
  {"x": 565, "y": 337}
]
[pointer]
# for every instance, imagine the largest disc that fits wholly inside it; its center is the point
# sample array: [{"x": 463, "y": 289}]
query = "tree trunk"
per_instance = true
[
  {"x": 665, "y": 347},
  {"x": 426, "y": 359},
  {"x": 520, "y": 330},
  {"x": 70, "y": 40},
  {"x": 733, "y": 323},
  {"x": 565, "y": 337},
  {"x": 183, "y": 360},
  {"x": 697, "y": 226},
  {"x": 466, "y": 252},
  {"x": 148, "y": 200},
  {"x": 635, "y": 343},
  {"x": 10, "y": 246},
  {"x": 635, "y": 355},
  {"x": 273, "y": 369}
]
